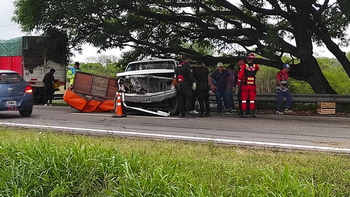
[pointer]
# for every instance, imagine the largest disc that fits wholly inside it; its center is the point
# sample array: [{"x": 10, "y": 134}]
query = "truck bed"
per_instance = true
[{"x": 95, "y": 86}]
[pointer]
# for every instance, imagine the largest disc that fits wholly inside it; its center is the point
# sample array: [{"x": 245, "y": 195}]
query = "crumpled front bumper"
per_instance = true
[{"x": 150, "y": 97}]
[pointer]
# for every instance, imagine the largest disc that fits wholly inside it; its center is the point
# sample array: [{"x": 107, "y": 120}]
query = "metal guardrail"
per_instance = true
[
  {"x": 272, "y": 97},
  {"x": 299, "y": 98}
]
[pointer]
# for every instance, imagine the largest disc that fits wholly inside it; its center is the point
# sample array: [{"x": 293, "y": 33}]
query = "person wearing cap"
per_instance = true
[
  {"x": 220, "y": 86},
  {"x": 239, "y": 88},
  {"x": 186, "y": 86},
  {"x": 202, "y": 91},
  {"x": 246, "y": 78},
  {"x": 282, "y": 90}
]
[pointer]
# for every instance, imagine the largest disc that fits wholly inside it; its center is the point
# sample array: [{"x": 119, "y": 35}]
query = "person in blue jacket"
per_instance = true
[{"x": 71, "y": 73}]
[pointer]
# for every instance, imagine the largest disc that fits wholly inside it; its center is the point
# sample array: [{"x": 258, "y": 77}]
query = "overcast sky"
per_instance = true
[{"x": 9, "y": 29}]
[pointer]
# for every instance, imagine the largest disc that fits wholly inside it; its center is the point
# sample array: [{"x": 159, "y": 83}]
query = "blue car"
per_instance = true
[{"x": 15, "y": 93}]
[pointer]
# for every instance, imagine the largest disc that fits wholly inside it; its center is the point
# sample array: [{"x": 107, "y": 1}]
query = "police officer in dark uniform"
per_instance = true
[
  {"x": 186, "y": 84},
  {"x": 201, "y": 74}
]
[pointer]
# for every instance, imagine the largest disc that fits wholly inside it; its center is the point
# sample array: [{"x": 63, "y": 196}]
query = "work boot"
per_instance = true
[
  {"x": 189, "y": 115},
  {"x": 181, "y": 115},
  {"x": 201, "y": 115},
  {"x": 252, "y": 115},
  {"x": 194, "y": 112},
  {"x": 239, "y": 112},
  {"x": 207, "y": 114},
  {"x": 243, "y": 115}
]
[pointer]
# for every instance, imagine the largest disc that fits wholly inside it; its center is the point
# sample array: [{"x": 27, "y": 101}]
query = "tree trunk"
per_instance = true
[
  {"x": 314, "y": 76},
  {"x": 311, "y": 71}
]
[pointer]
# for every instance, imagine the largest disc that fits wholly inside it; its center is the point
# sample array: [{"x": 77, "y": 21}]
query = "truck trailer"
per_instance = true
[{"x": 32, "y": 58}]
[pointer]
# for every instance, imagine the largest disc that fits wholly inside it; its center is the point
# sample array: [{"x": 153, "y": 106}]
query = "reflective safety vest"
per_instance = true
[
  {"x": 283, "y": 79},
  {"x": 249, "y": 75},
  {"x": 71, "y": 74}
]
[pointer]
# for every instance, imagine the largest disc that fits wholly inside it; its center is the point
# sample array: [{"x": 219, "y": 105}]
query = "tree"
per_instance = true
[
  {"x": 103, "y": 59},
  {"x": 109, "y": 70},
  {"x": 167, "y": 28},
  {"x": 344, "y": 6}
]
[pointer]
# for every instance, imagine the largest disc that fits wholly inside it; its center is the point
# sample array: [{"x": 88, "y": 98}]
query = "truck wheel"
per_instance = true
[
  {"x": 26, "y": 113},
  {"x": 173, "y": 106},
  {"x": 38, "y": 95}
]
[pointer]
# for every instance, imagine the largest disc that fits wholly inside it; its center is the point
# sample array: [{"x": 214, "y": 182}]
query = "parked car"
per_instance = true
[
  {"x": 149, "y": 84},
  {"x": 15, "y": 93}
]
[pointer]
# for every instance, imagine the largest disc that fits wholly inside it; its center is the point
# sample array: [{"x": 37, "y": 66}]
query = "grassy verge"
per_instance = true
[
  {"x": 59, "y": 103},
  {"x": 34, "y": 163}
]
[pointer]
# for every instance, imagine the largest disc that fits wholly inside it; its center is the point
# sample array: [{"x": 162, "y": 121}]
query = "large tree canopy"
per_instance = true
[{"x": 270, "y": 28}]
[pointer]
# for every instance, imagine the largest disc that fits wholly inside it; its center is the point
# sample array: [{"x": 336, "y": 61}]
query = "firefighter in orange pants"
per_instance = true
[{"x": 246, "y": 78}]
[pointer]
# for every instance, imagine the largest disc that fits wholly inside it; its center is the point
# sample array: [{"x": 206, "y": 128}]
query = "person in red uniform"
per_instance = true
[
  {"x": 282, "y": 90},
  {"x": 246, "y": 78}
]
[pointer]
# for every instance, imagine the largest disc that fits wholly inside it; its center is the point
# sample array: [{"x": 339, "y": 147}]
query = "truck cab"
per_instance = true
[
  {"x": 32, "y": 59},
  {"x": 149, "y": 84}
]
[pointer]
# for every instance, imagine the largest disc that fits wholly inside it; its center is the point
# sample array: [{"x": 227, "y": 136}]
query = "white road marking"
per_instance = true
[
  {"x": 132, "y": 116},
  {"x": 93, "y": 114},
  {"x": 231, "y": 141}
]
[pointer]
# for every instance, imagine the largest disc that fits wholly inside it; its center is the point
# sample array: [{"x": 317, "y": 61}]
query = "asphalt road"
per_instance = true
[{"x": 281, "y": 131}]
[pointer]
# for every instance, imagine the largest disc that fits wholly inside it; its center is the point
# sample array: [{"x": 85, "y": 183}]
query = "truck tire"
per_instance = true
[
  {"x": 173, "y": 107},
  {"x": 38, "y": 95},
  {"x": 26, "y": 113}
]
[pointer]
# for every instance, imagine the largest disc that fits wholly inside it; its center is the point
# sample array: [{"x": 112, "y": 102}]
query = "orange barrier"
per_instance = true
[{"x": 87, "y": 106}]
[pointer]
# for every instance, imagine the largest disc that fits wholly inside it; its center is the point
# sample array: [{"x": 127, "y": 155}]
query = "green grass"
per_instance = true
[
  {"x": 59, "y": 103},
  {"x": 34, "y": 163}
]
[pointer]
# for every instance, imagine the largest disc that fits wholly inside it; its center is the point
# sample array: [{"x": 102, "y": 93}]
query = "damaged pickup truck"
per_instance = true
[{"x": 149, "y": 84}]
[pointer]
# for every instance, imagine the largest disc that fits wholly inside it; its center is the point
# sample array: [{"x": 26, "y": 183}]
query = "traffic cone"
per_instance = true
[{"x": 119, "y": 110}]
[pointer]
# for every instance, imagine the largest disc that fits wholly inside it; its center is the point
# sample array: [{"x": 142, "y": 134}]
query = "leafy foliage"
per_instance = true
[
  {"x": 335, "y": 74},
  {"x": 338, "y": 79},
  {"x": 110, "y": 70},
  {"x": 266, "y": 82},
  {"x": 266, "y": 79},
  {"x": 166, "y": 28}
]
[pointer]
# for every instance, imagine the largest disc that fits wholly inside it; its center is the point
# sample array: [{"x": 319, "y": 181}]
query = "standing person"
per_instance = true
[
  {"x": 239, "y": 88},
  {"x": 232, "y": 88},
  {"x": 71, "y": 72},
  {"x": 201, "y": 74},
  {"x": 49, "y": 80},
  {"x": 186, "y": 84},
  {"x": 282, "y": 90},
  {"x": 194, "y": 111},
  {"x": 246, "y": 78},
  {"x": 220, "y": 86}
]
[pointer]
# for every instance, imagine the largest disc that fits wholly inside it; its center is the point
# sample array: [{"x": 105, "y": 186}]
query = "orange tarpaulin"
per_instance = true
[
  {"x": 91, "y": 106},
  {"x": 87, "y": 106},
  {"x": 106, "y": 105}
]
